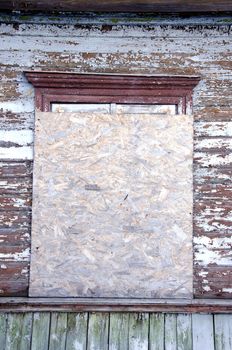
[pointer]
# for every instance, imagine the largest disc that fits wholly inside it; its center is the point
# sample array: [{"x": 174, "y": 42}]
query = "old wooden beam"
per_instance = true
[
  {"x": 118, "y": 305},
  {"x": 119, "y": 5}
]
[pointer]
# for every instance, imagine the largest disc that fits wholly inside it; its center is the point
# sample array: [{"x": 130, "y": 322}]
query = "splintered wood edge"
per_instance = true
[{"x": 116, "y": 305}]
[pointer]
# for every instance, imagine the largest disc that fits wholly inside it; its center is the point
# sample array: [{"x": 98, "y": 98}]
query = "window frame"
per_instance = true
[
  {"x": 62, "y": 87},
  {"x": 53, "y": 87}
]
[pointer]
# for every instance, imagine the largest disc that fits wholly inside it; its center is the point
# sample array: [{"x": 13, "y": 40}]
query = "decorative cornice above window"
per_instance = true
[{"x": 53, "y": 87}]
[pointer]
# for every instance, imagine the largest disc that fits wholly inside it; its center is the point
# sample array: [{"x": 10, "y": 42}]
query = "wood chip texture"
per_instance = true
[{"x": 112, "y": 205}]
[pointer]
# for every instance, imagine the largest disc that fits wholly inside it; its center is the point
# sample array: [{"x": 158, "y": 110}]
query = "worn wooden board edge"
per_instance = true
[
  {"x": 125, "y": 18},
  {"x": 18, "y": 304},
  {"x": 176, "y": 6}
]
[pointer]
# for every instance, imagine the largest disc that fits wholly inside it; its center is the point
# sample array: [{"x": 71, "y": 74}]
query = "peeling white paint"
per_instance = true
[
  {"x": 130, "y": 48},
  {"x": 19, "y": 137},
  {"x": 212, "y": 160},
  {"x": 16, "y": 153},
  {"x": 21, "y": 256},
  {"x": 213, "y": 129},
  {"x": 206, "y": 288},
  {"x": 206, "y": 256},
  {"x": 18, "y": 106},
  {"x": 203, "y": 273},
  {"x": 216, "y": 243}
]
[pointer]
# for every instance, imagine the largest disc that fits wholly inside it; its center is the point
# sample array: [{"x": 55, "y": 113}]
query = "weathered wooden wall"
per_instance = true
[
  {"x": 196, "y": 46},
  {"x": 114, "y": 331}
]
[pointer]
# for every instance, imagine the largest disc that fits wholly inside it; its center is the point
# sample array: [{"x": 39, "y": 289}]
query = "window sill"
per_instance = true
[{"x": 17, "y": 304}]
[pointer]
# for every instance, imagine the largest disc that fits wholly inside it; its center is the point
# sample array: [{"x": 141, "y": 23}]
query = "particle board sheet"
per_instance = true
[{"x": 112, "y": 206}]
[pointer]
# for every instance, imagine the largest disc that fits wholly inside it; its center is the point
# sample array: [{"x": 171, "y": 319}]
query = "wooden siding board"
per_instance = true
[
  {"x": 58, "y": 328},
  {"x": 138, "y": 331},
  {"x": 204, "y": 6},
  {"x": 170, "y": 335},
  {"x": 118, "y": 331},
  {"x": 3, "y": 329},
  {"x": 40, "y": 331},
  {"x": 212, "y": 331},
  {"x": 77, "y": 324},
  {"x": 98, "y": 331},
  {"x": 164, "y": 46},
  {"x": 18, "y": 335},
  {"x": 202, "y": 332},
  {"x": 184, "y": 331},
  {"x": 223, "y": 332},
  {"x": 156, "y": 331}
]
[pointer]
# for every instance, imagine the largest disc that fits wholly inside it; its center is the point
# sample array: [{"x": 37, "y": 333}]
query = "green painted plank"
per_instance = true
[
  {"x": 223, "y": 332},
  {"x": 184, "y": 332},
  {"x": 58, "y": 330},
  {"x": 18, "y": 335},
  {"x": 156, "y": 334},
  {"x": 3, "y": 323},
  {"x": 119, "y": 331},
  {"x": 98, "y": 331},
  {"x": 202, "y": 332},
  {"x": 170, "y": 334},
  {"x": 76, "y": 331},
  {"x": 138, "y": 331},
  {"x": 40, "y": 331}
]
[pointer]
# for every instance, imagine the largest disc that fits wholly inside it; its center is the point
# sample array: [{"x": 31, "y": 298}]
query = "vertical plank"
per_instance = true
[
  {"x": 156, "y": 333},
  {"x": 76, "y": 331},
  {"x": 138, "y": 331},
  {"x": 223, "y": 332},
  {"x": 98, "y": 331},
  {"x": 19, "y": 331},
  {"x": 119, "y": 331},
  {"x": 3, "y": 323},
  {"x": 202, "y": 332},
  {"x": 40, "y": 331},
  {"x": 184, "y": 332},
  {"x": 170, "y": 336},
  {"x": 58, "y": 330}
]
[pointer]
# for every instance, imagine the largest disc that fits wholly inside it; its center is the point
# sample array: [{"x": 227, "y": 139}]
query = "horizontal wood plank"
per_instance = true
[
  {"x": 131, "y": 305},
  {"x": 119, "y": 6}
]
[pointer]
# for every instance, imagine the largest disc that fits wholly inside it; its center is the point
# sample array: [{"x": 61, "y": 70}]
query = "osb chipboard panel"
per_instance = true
[{"x": 112, "y": 206}]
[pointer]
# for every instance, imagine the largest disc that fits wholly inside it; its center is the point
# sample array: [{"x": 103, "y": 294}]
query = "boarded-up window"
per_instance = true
[{"x": 112, "y": 205}]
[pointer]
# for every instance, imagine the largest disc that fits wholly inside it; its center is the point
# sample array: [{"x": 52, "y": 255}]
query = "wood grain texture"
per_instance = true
[
  {"x": 119, "y": 232},
  {"x": 170, "y": 337},
  {"x": 3, "y": 329},
  {"x": 156, "y": 332},
  {"x": 119, "y": 331},
  {"x": 198, "y": 46},
  {"x": 40, "y": 331},
  {"x": 98, "y": 331},
  {"x": 184, "y": 332},
  {"x": 138, "y": 331},
  {"x": 19, "y": 331},
  {"x": 58, "y": 328},
  {"x": 119, "y": 6},
  {"x": 202, "y": 332},
  {"x": 77, "y": 330},
  {"x": 223, "y": 332},
  {"x": 210, "y": 331}
]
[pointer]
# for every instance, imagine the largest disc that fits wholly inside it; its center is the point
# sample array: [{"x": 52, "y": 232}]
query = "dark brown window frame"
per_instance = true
[
  {"x": 98, "y": 88},
  {"x": 54, "y": 87}
]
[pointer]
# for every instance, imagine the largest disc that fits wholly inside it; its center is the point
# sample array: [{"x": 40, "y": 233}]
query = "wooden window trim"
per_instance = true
[
  {"x": 53, "y": 87},
  {"x": 115, "y": 305}
]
